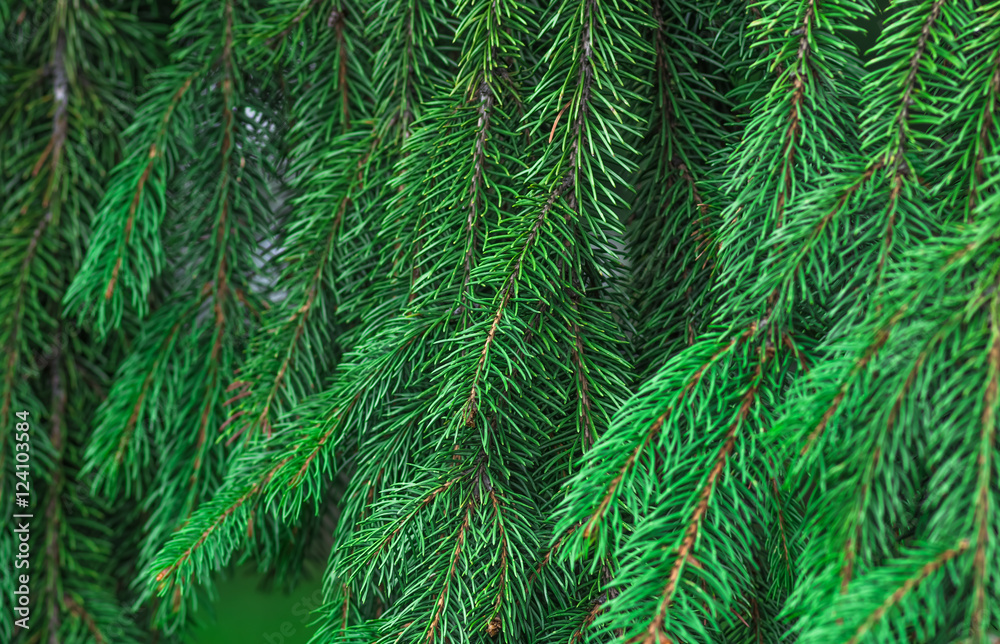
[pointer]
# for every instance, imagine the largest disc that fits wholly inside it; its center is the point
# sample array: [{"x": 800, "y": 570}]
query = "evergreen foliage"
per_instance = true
[{"x": 619, "y": 321}]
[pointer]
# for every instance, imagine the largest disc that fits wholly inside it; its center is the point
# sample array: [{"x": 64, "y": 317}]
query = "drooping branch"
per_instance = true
[
  {"x": 895, "y": 159},
  {"x": 220, "y": 288},
  {"x": 794, "y": 130},
  {"x": 155, "y": 150},
  {"x": 53, "y": 509},
  {"x": 929, "y": 569},
  {"x": 983, "y": 503},
  {"x": 486, "y": 101},
  {"x": 987, "y": 127},
  {"x": 14, "y": 340},
  {"x": 654, "y": 429},
  {"x": 654, "y": 632},
  {"x": 442, "y": 598}
]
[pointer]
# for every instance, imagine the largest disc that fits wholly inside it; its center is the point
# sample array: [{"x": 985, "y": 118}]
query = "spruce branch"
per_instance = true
[
  {"x": 682, "y": 132},
  {"x": 14, "y": 341},
  {"x": 655, "y": 630},
  {"x": 106, "y": 456},
  {"x": 339, "y": 178},
  {"x": 220, "y": 284},
  {"x": 53, "y": 513},
  {"x": 966, "y": 151},
  {"x": 927, "y": 570},
  {"x": 593, "y": 521},
  {"x": 127, "y": 195},
  {"x": 985, "y": 465},
  {"x": 895, "y": 157}
]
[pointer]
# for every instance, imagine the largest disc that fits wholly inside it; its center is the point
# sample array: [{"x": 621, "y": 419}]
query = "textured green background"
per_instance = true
[{"x": 248, "y": 615}]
